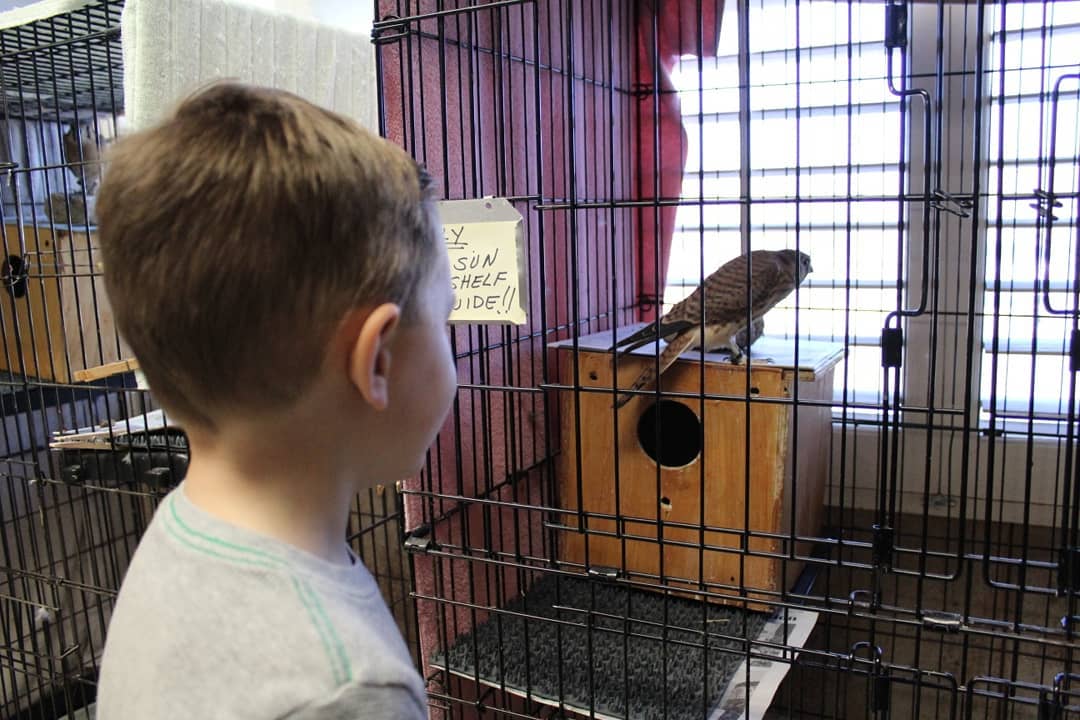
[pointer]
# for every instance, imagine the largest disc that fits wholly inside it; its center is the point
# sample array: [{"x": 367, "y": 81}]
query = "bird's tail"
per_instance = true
[
  {"x": 678, "y": 345},
  {"x": 649, "y": 334},
  {"x": 636, "y": 338}
]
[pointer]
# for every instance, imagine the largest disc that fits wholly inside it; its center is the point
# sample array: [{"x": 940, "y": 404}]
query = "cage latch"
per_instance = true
[
  {"x": 880, "y": 690},
  {"x": 419, "y": 540},
  {"x": 1044, "y": 204},
  {"x": 883, "y": 546},
  {"x": 73, "y": 474},
  {"x": 1049, "y": 706},
  {"x": 604, "y": 572},
  {"x": 1074, "y": 351},
  {"x": 7, "y": 169},
  {"x": 390, "y": 29},
  {"x": 892, "y": 347},
  {"x": 1052, "y": 702},
  {"x": 942, "y": 621},
  {"x": 15, "y": 273},
  {"x": 881, "y": 695},
  {"x": 158, "y": 478},
  {"x": 1069, "y": 570},
  {"x": 647, "y": 302},
  {"x": 895, "y": 25},
  {"x": 958, "y": 205}
]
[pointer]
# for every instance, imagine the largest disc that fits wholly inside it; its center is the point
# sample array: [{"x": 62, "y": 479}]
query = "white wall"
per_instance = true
[{"x": 352, "y": 14}]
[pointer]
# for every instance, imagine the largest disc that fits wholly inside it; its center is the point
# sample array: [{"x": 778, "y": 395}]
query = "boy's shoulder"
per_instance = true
[{"x": 213, "y": 611}]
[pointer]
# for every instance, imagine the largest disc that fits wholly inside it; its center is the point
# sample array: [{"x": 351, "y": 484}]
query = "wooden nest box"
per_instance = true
[
  {"x": 668, "y": 458},
  {"x": 56, "y": 317}
]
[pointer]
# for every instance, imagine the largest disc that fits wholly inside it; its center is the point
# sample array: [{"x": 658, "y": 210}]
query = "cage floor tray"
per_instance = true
[{"x": 638, "y": 659}]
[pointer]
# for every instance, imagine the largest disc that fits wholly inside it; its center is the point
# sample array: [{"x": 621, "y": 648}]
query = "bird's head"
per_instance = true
[
  {"x": 805, "y": 268},
  {"x": 799, "y": 263}
]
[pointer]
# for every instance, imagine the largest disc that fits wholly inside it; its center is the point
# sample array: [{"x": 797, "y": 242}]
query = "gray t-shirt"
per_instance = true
[{"x": 213, "y": 621}]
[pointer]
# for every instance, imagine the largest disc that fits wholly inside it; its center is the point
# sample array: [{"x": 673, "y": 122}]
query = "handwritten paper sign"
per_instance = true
[{"x": 484, "y": 239}]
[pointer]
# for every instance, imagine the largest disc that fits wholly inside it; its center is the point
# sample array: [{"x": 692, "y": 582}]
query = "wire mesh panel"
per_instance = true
[
  {"x": 86, "y": 454},
  {"x": 893, "y": 465},
  {"x": 879, "y": 505},
  {"x": 71, "y": 513}
]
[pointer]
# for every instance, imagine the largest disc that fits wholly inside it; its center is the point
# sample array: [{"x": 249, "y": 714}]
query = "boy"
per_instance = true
[{"x": 279, "y": 272}]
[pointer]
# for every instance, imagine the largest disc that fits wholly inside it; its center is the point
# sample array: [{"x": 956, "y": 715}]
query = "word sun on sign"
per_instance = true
[
  {"x": 479, "y": 286},
  {"x": 483, "y": 240}
]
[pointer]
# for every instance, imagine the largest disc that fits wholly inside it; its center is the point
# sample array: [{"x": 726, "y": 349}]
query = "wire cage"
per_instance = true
[
  {"x": 875, "y": 515},
  {"x": 87, "y": 455},
  {"x": 66, "y": 541},
  {"x": 896, "y": 470}
]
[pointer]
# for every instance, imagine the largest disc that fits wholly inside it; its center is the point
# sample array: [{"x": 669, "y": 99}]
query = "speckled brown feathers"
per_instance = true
[
  {"x": 82, "y": 156},
  {"x": 721, "y": 305}
]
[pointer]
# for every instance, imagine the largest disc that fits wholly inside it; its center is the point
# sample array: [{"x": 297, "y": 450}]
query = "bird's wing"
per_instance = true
[
  {"x": 727, "y": 290},
  {"x": 771, "y": 284},
  {"x": 724, "y": 297},
  {"x": 673, "y": 321},
  {"x": 676, "y": 347},
  {"x": 683, "y": 315},
  {"x": 71, "y": 148}
]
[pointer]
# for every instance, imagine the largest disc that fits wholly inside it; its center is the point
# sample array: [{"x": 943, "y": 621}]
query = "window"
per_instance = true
[
  {"x": 824, "y": 146},
  {"x": 826, "y": 139},
  {"x": 1031, "y": 372}
]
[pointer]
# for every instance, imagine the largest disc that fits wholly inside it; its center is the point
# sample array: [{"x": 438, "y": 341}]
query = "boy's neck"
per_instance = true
[{"x": 290, "y": 487}]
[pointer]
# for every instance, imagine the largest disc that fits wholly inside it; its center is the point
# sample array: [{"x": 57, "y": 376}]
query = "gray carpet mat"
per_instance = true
[{"x": 632, "y": 671}]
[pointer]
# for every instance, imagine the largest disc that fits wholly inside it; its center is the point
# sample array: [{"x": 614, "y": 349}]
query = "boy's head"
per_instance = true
[{"x": 240, "y": 232}]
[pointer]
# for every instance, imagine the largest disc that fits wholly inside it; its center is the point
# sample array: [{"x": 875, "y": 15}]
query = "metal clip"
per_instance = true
[
  {"x": 892, "y": 347},
  {"x": 73, "y": 474},
  {"x": 959, "y": 205},
  {"x": 604, "y": 572},
  {"x": 876, "y": 653},
  {"x": 8, "y": 169},
  {"x": 854, "y": 599},
  {"x": 1069, "y": 571},
  {"x": 883, "y": 546},
  {"x": 895, "y": 25},
  {"x": 1052, "y": 703},
  {"x": 1049, "y": 706},
  {"x": 882, "y": 694},
  {"x": 880, "y": 683},
  {"x": 15, "y": 273},
  {"x": 158, "y": 478},
  {"x": 419, "y": 540},
  {"x": 394, "y": 31},
  {"x": 1074, "y": 351},
  {"x": 1044, "y": 204},
  {"x": 647, "y": 302},
  {"x": 942, "y": 621}
]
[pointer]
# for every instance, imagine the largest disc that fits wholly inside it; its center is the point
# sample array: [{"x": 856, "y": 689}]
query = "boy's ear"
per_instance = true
[{"x": 369, "y": 356}]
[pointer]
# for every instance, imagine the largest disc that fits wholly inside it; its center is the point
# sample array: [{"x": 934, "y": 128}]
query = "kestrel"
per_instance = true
[{"x": 773, "y": 275}]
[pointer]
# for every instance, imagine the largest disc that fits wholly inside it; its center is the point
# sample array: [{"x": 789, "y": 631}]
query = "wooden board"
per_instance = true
[{"x": 101, "y": 372}]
